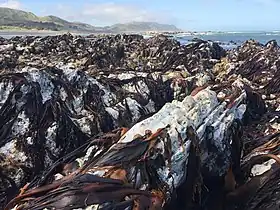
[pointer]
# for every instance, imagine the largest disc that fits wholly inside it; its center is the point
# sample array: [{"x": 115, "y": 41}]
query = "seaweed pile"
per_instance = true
[
  {"x": 104, "y": 54},
  {"x": 48, "y": 112},
  {"x": 152, "y": 157},
  {"x": 159, "y": 124},
  {"x": 259, "y": 184}
]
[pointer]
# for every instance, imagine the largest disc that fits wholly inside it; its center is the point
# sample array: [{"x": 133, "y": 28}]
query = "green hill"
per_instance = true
[
  {"x": 19, "y": 19},
  {"x": 143, "y": 26},
  {"x": 28, "y": 20}
]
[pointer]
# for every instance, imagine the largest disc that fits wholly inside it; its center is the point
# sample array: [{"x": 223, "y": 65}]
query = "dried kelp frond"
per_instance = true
[
  {"x": 257, "y": 63},
  {"x": 255, "y": 192},
  {"x": 260, "y": 177},
  {"x": 57, "y": 123},
  {"x": 108, "y": 53},
  {"x": 154, "y": 157},
  {"x": 267, "y": 197},
  {"x": 47, "y": 113},
  {"x": 260, "y": 132},
  {"x": 273, "y": 87}
]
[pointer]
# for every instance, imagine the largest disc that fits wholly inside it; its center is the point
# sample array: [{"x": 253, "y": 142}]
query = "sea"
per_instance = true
[
  {"x": 230, "y": 40},
  {"x": 227, "y": 40}
]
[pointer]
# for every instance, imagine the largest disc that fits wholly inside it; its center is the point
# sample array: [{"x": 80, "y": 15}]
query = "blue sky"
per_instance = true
[{"x": 199, "y": 15}]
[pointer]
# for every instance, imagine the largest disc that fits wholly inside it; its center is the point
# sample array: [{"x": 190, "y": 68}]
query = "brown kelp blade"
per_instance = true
[
  {"x": 77, "y": 193},
  {"x": 252, "y": 191}
]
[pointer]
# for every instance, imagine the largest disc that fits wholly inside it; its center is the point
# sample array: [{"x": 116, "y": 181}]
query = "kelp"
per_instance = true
[
  {"x": 158, "y": 156},
  {"x": 105, "y": 54},
  {"x": 123, "y": 122},
  {"x": 51, "y": 103}
]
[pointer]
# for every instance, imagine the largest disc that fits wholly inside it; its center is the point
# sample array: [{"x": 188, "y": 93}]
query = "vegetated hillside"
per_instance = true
[
  {"x": 28, "y": 20},
  {"x": 143, "y": 26}
]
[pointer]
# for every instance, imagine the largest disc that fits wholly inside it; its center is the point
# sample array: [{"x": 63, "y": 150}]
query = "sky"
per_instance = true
[{"x": 194, "y": 15}]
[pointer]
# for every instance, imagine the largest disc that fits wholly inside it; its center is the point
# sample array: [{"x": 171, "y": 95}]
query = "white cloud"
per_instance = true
[
  {"x": 107, "y": 13},
  {"x": 112, "y": 12},
  {"x": 13, "y": 4}
]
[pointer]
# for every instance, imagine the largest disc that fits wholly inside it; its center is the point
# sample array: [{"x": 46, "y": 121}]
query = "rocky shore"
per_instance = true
[{"x": 123, "y": 122}]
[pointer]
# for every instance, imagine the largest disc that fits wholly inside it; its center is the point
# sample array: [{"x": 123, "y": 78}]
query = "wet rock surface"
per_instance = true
[{"x": 162, "y": 125}]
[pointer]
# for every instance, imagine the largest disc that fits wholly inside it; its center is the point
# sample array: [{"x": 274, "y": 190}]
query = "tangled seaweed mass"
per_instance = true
[{"x": 123, "y": 122}]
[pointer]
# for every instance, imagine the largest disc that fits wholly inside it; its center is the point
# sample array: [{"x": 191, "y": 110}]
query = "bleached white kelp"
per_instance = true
[{"x": 154, "y": 157}]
